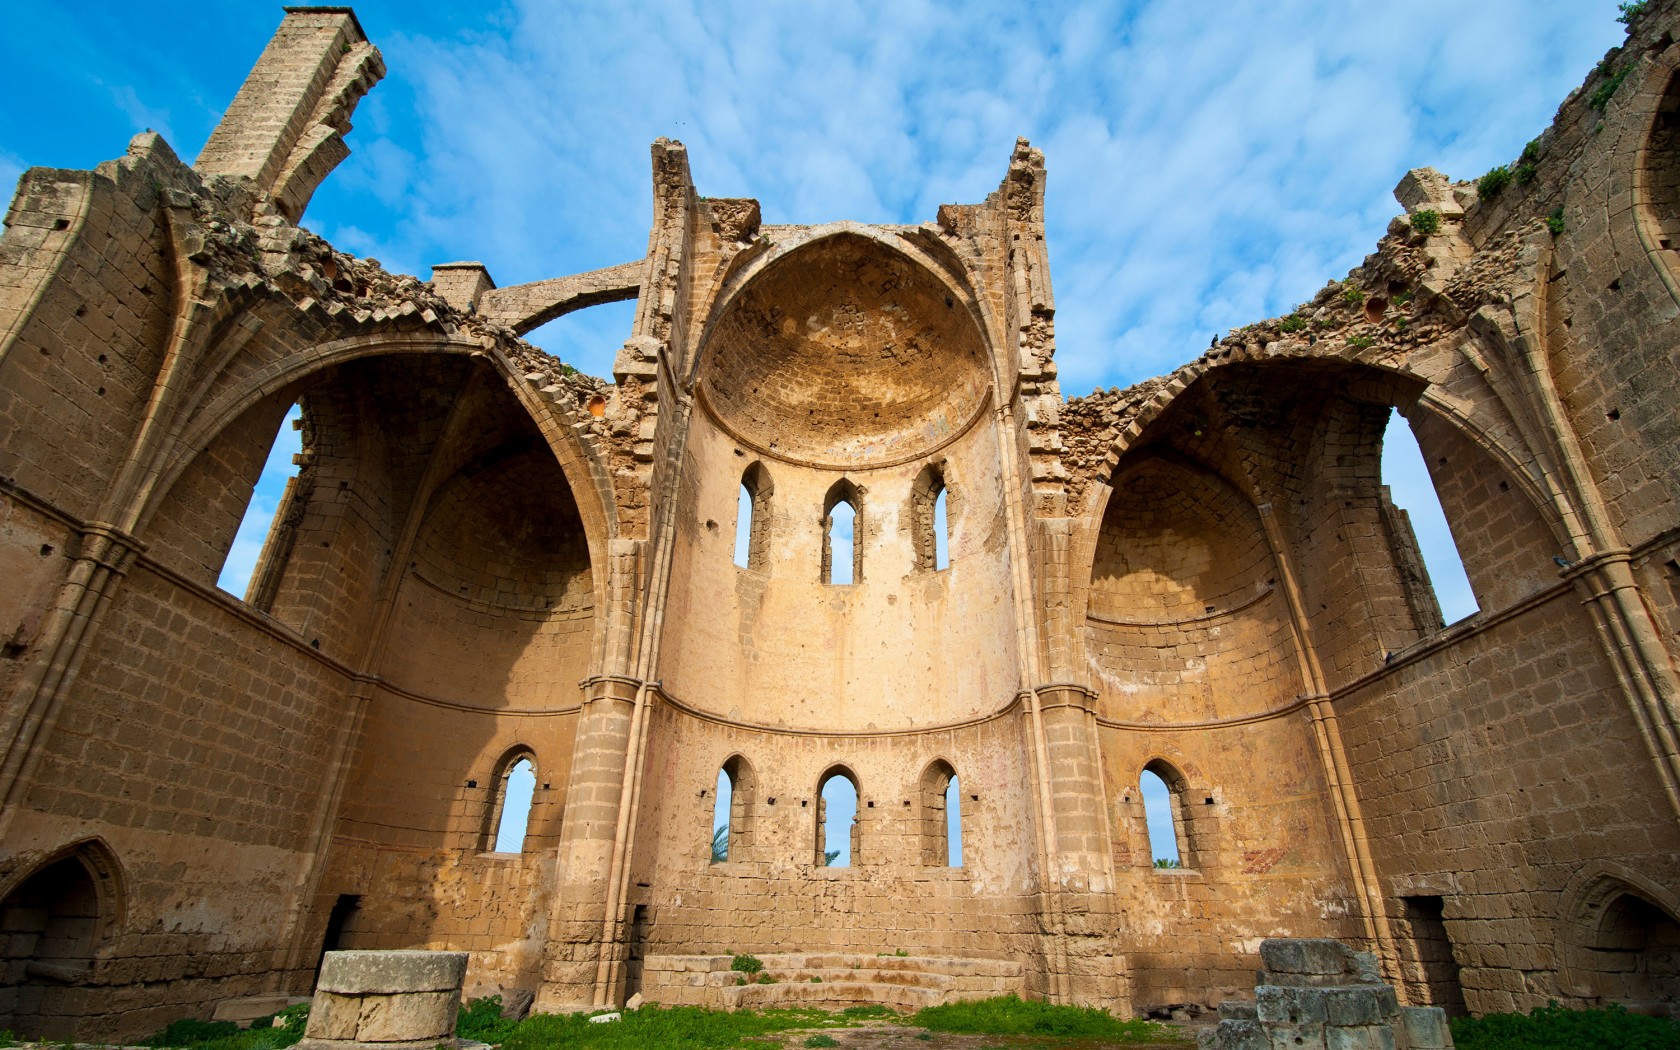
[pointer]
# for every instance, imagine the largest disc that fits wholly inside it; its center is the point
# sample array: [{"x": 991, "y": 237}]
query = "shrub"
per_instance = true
[
  {"x": 1554, "y": 221},
  {"x": 1552, "y": 1027},
  {"x": 1631, "y": 12},
  {"x": 1292, "y": 323},
  {"x": 745, "y": 964},
  {"x": 481, "y": 1020},
  {"x": 1525, "y": 174},
  {"x": 1426, "y": 221},
  {"x": 765, "y": 978},
  {"x": 1605, "y": 91},
  {"x": 1530, "y": 153},
  {"x": 1011, "y": 1015},
  {"x": 1351, "y": 294},
  {"x": 1489, "y": 185},
  {"x": 1361, "y": 342}
]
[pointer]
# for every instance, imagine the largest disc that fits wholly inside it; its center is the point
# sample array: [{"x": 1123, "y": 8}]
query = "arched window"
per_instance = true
[
  {"x": 930, "y": 519},
  {"x": 752, "y": 520},
  {"x": 1162, "y": 788},
  {"x": 842, "y": 524},
  {"x": 837, "y": 826},
  {"x": 1437, "y": 582},
  {"x": 942, "y": 844},
  {"x": 257, "y": 558},
  {"x": 515, "y": 789},
  {"x": 732, "y": 810}
]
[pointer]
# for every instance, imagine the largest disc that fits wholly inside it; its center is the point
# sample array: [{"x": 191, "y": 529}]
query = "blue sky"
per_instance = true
[{"x": 1209, "y": 165}]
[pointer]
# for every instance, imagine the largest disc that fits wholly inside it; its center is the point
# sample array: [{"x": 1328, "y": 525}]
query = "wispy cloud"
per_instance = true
[{"x": 1207, "y": 168}]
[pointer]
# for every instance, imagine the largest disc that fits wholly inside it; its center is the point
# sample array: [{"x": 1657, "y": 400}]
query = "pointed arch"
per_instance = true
[
  {"x": 1166, "y": 817},
  {"x": 941, "y": 816},
  {"x": 838, "y": 799},
  {"x": 931, "y": 506},
  {"x": 732, "y": 816},
  {"x": 1619, "y": 940},
  {"x": 57, "y": 917},
  {"x": 753, "y": 518},
  {"x": 507, "y": 816},
  {"x": 844, "y": 530}
]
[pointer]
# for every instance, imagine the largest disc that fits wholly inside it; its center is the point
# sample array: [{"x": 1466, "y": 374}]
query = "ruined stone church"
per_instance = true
[{"x": 489, "y": 565}]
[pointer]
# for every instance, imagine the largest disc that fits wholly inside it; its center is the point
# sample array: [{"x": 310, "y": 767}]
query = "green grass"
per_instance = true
[
  {"x": 822, "y": 1040},
  {"x": 1011, "y": 1015},
  {"x": 872, "y": 1010},
  {"x": 1555, "y": 1028},
  {"x": 225, "y": 1035},
  {"x": 481, "y": 1020},
  {"x": 655, "y": 1028}
]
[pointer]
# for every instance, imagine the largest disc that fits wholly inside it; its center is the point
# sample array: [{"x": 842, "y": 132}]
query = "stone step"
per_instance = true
[{"x": 904, "y": 982}]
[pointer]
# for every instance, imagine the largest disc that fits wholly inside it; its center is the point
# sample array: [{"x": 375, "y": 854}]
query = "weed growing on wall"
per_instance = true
[
  {"x": 1489, "y": 185},
  {"x": 1426, "y": 221}
]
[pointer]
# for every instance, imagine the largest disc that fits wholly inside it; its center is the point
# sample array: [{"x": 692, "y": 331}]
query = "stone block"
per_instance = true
[
  {"x": 1238, "y": 1010},
  {"x": 407, "y": 1017},
  {"x": 1281, "y": 1004},
  {"x": 1425, "y": 1028},
  {"x": 388, "y": 973},
  {"x": 1353, "y": 1006},
  {"x": 1310, "y": 956},
  {"x": 1296, "y": 1036},
  {"x": 1234, "y": 1035},
  {"x": 1359, "y": 1037},
  {"x": 334, "y": 1016}
]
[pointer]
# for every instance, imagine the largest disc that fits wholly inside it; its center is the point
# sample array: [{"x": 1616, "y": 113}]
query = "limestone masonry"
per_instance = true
[{"x": 490, "y": 567}]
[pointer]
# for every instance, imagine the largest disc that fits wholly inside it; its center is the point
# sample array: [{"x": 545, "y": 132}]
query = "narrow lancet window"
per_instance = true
[
  {"x": 256, "y": 545},
  {"x": 1161, "y": 814},
  {"x": 842, "y": 524},
  {"x": 941, "y": 533},
  {"x": 720, "y": 817},
  {"x": 743, "y": 528},
  {"x": 1420, "y": 527},
  {"x": 837, "y": 828},
  {"x": 518, "y": 786},
  {"x": 941, "y": 816}
]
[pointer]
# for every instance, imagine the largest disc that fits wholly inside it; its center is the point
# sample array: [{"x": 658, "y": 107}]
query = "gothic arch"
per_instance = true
[{"x": 1618, "y": 939}]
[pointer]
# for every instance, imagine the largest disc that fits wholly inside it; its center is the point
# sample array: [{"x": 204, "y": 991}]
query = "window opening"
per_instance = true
[
  {"x": 1161, "y": 816},
  {"x": 720, "y": 817},
  {"x": 752, "y": 520},
  {"x": 519, "y": 783},
  {"x": 941, "y": 533},
  {"x": 837, "y": 827},
  {"x": 743, "y": 528},
  {"x": 1422, "y": 522},
  {"x": 953, "y": 824},
  {"x": 274, "y": 490},
  {"x": 842, "y": 523}
]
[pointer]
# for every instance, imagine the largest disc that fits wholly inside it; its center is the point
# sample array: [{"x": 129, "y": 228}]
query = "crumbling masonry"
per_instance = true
[{"x": 487, "y": 558}]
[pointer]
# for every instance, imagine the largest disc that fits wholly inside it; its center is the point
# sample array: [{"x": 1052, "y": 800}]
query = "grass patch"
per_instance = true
[
  {"x": 745, "y": 964},
  {"x": 1012, "y": 1015},
  {"x": 822, "y": 1040},
  {"x": 872, "y": 1010},
  {"x": 225, "y": 1035},
  {"x": 654, "y": 1028},
  {"x": 1555, "y": 1028},
  {"x": 482, "y": 1020}
]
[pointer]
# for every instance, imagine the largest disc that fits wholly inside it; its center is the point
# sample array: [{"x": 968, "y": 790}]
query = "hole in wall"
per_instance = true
[
  {"x": 1375, "y": 307},
  {"x": 1614, "y": 414}
]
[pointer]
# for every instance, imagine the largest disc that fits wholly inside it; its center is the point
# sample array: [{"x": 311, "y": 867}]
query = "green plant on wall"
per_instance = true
[
  {"x": 1426, "y": 221},
  {"x": 1489, "y": 185}
]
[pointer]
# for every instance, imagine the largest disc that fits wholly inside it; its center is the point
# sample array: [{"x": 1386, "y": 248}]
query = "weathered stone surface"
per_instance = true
[
  {"x": 488, "y": 563},
  {"x": 390, "y": 972}
]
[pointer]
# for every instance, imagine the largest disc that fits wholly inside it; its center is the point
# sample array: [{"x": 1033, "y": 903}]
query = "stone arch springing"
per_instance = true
[
  {"x": 844, "y": 501},
  {"x": 56, "y": 919},
  {"x": 1657, "y": 182},
  {"x": 941, "y": 816},
  {"x": 931, "y": 506},
  {"x": 1620, "y": 941},
  {"x": 753, "y": 519},
  {"x": 507, "y": 818},
  {"x": 732, "y": 810},
  {"x": 1163, "y": 790},
  {"x": 837, "y": 837}
]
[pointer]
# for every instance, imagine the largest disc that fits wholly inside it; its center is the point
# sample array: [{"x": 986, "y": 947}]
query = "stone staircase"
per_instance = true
[{"x": 827, "y": 980}]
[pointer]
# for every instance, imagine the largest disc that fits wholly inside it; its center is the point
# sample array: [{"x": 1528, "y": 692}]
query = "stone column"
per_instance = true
[{"x": 400, "y": 1000}]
